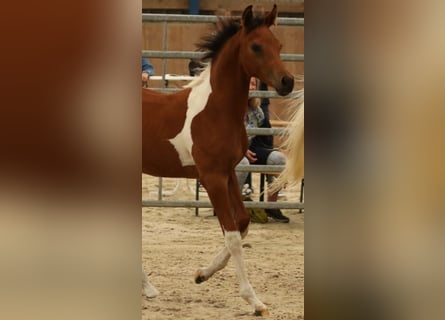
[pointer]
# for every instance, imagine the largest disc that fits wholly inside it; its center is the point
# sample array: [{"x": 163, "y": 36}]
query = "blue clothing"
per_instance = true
[{"x": 147, "y": 67}]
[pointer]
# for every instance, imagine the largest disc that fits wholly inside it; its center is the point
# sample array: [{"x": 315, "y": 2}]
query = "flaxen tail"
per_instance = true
[{"x": 293, "y": 145}]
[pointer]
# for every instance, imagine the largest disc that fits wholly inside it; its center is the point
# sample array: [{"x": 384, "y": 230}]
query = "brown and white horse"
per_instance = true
[{"x": 199, "y": 132}]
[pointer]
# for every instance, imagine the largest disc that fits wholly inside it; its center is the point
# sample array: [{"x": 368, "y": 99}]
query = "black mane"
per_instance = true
[{"x": 212, "y": 44}]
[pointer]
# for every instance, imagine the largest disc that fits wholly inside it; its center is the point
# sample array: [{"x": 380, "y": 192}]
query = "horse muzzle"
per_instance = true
[{"x": 286, "y": 86}]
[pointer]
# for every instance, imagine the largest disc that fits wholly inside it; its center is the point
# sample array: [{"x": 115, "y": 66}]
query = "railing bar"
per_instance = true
[
  {"x": 156, "y": 17},
  {"x": 207, "y": 204},
  {"x": 260, "y": 168},
  {"x": 259, "y": 94},
  {"x": 266, "y": 131},
  {"x": 198, "y": 55}
]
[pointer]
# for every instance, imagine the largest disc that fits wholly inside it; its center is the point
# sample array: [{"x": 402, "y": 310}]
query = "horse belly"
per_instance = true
[{"x": 161, "y": 159}]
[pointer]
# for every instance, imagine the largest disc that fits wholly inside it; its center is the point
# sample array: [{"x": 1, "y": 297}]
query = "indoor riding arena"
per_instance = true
[{"x": 181, "y": 232}]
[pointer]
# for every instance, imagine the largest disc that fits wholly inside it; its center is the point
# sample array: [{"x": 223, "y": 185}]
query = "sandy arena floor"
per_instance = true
[{"x": 175, "y": 243}]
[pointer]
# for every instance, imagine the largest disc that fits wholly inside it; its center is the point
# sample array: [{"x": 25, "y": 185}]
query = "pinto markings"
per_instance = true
[{"x": 196, "y": 102}]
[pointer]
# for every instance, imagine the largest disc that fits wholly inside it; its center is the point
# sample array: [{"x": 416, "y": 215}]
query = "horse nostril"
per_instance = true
[{"x": 287, "y": 82}]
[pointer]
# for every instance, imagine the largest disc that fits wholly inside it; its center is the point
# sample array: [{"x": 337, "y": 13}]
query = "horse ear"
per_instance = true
[
  {"x": 246, "y": 18},
  {"x": 271, "y": 18}
]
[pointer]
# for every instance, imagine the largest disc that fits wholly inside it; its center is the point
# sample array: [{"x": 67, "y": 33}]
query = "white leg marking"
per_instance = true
[
  {"x": 196, "y": 102},
  {"x": 233, "y": 244},
  {"x": 218, "y": 263},
  {"x": 148, "y": 289}
]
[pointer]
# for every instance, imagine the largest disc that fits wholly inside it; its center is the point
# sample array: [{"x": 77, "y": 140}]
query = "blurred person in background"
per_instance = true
[
  {"x": 260, "y": 153},
  {"x": 147, "y": 71}
]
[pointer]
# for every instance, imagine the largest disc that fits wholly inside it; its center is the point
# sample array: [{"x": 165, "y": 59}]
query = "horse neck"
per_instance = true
[{"x": 229, "y": 78}]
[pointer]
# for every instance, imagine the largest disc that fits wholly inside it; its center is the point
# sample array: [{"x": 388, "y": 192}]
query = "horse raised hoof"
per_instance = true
[
  {"x": 199, "y": 278},
  {"x": 262, "y": 313}
]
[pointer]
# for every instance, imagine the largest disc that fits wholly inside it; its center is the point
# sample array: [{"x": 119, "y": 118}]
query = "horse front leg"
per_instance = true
[
  {"x": 230, "y": 213},
  {"x": 233, "y": 243},
  {"x": 242, "y": 218},
  {"x": 222, "y": 258},
  {"x": 218, "y": 263}
]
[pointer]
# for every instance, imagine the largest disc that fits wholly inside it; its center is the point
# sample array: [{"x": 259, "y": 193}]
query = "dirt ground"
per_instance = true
[{"x": 175, "y": 243}]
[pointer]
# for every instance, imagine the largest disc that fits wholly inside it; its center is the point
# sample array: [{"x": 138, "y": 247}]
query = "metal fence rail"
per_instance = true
[
  {"x": 172, "y": 18},
  {"x": 208, "y": 204},
  {"x": 198, "y": 55},
  {"x": 253, "y": 93},
  {"x": 260, "y": 168},
  {"x": 155, "y": 17}
]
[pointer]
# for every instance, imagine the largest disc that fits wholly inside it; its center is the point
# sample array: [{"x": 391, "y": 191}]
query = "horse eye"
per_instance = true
[{"x": 256, "y": 48}]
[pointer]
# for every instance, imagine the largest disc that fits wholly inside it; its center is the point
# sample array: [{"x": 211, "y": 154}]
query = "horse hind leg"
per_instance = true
[{"x": 147, "y": 288}]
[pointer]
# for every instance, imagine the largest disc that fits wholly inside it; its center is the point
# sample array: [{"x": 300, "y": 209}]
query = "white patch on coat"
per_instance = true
[
  {"x": 218, "y": 263},
  {"x": 196, "y": 102}
]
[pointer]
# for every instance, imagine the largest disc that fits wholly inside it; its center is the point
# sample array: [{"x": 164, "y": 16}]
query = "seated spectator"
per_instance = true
[{"x": 258, "y": 153}]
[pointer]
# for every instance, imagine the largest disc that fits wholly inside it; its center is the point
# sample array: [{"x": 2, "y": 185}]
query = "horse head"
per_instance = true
[{"x": 260, "y": 51}]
